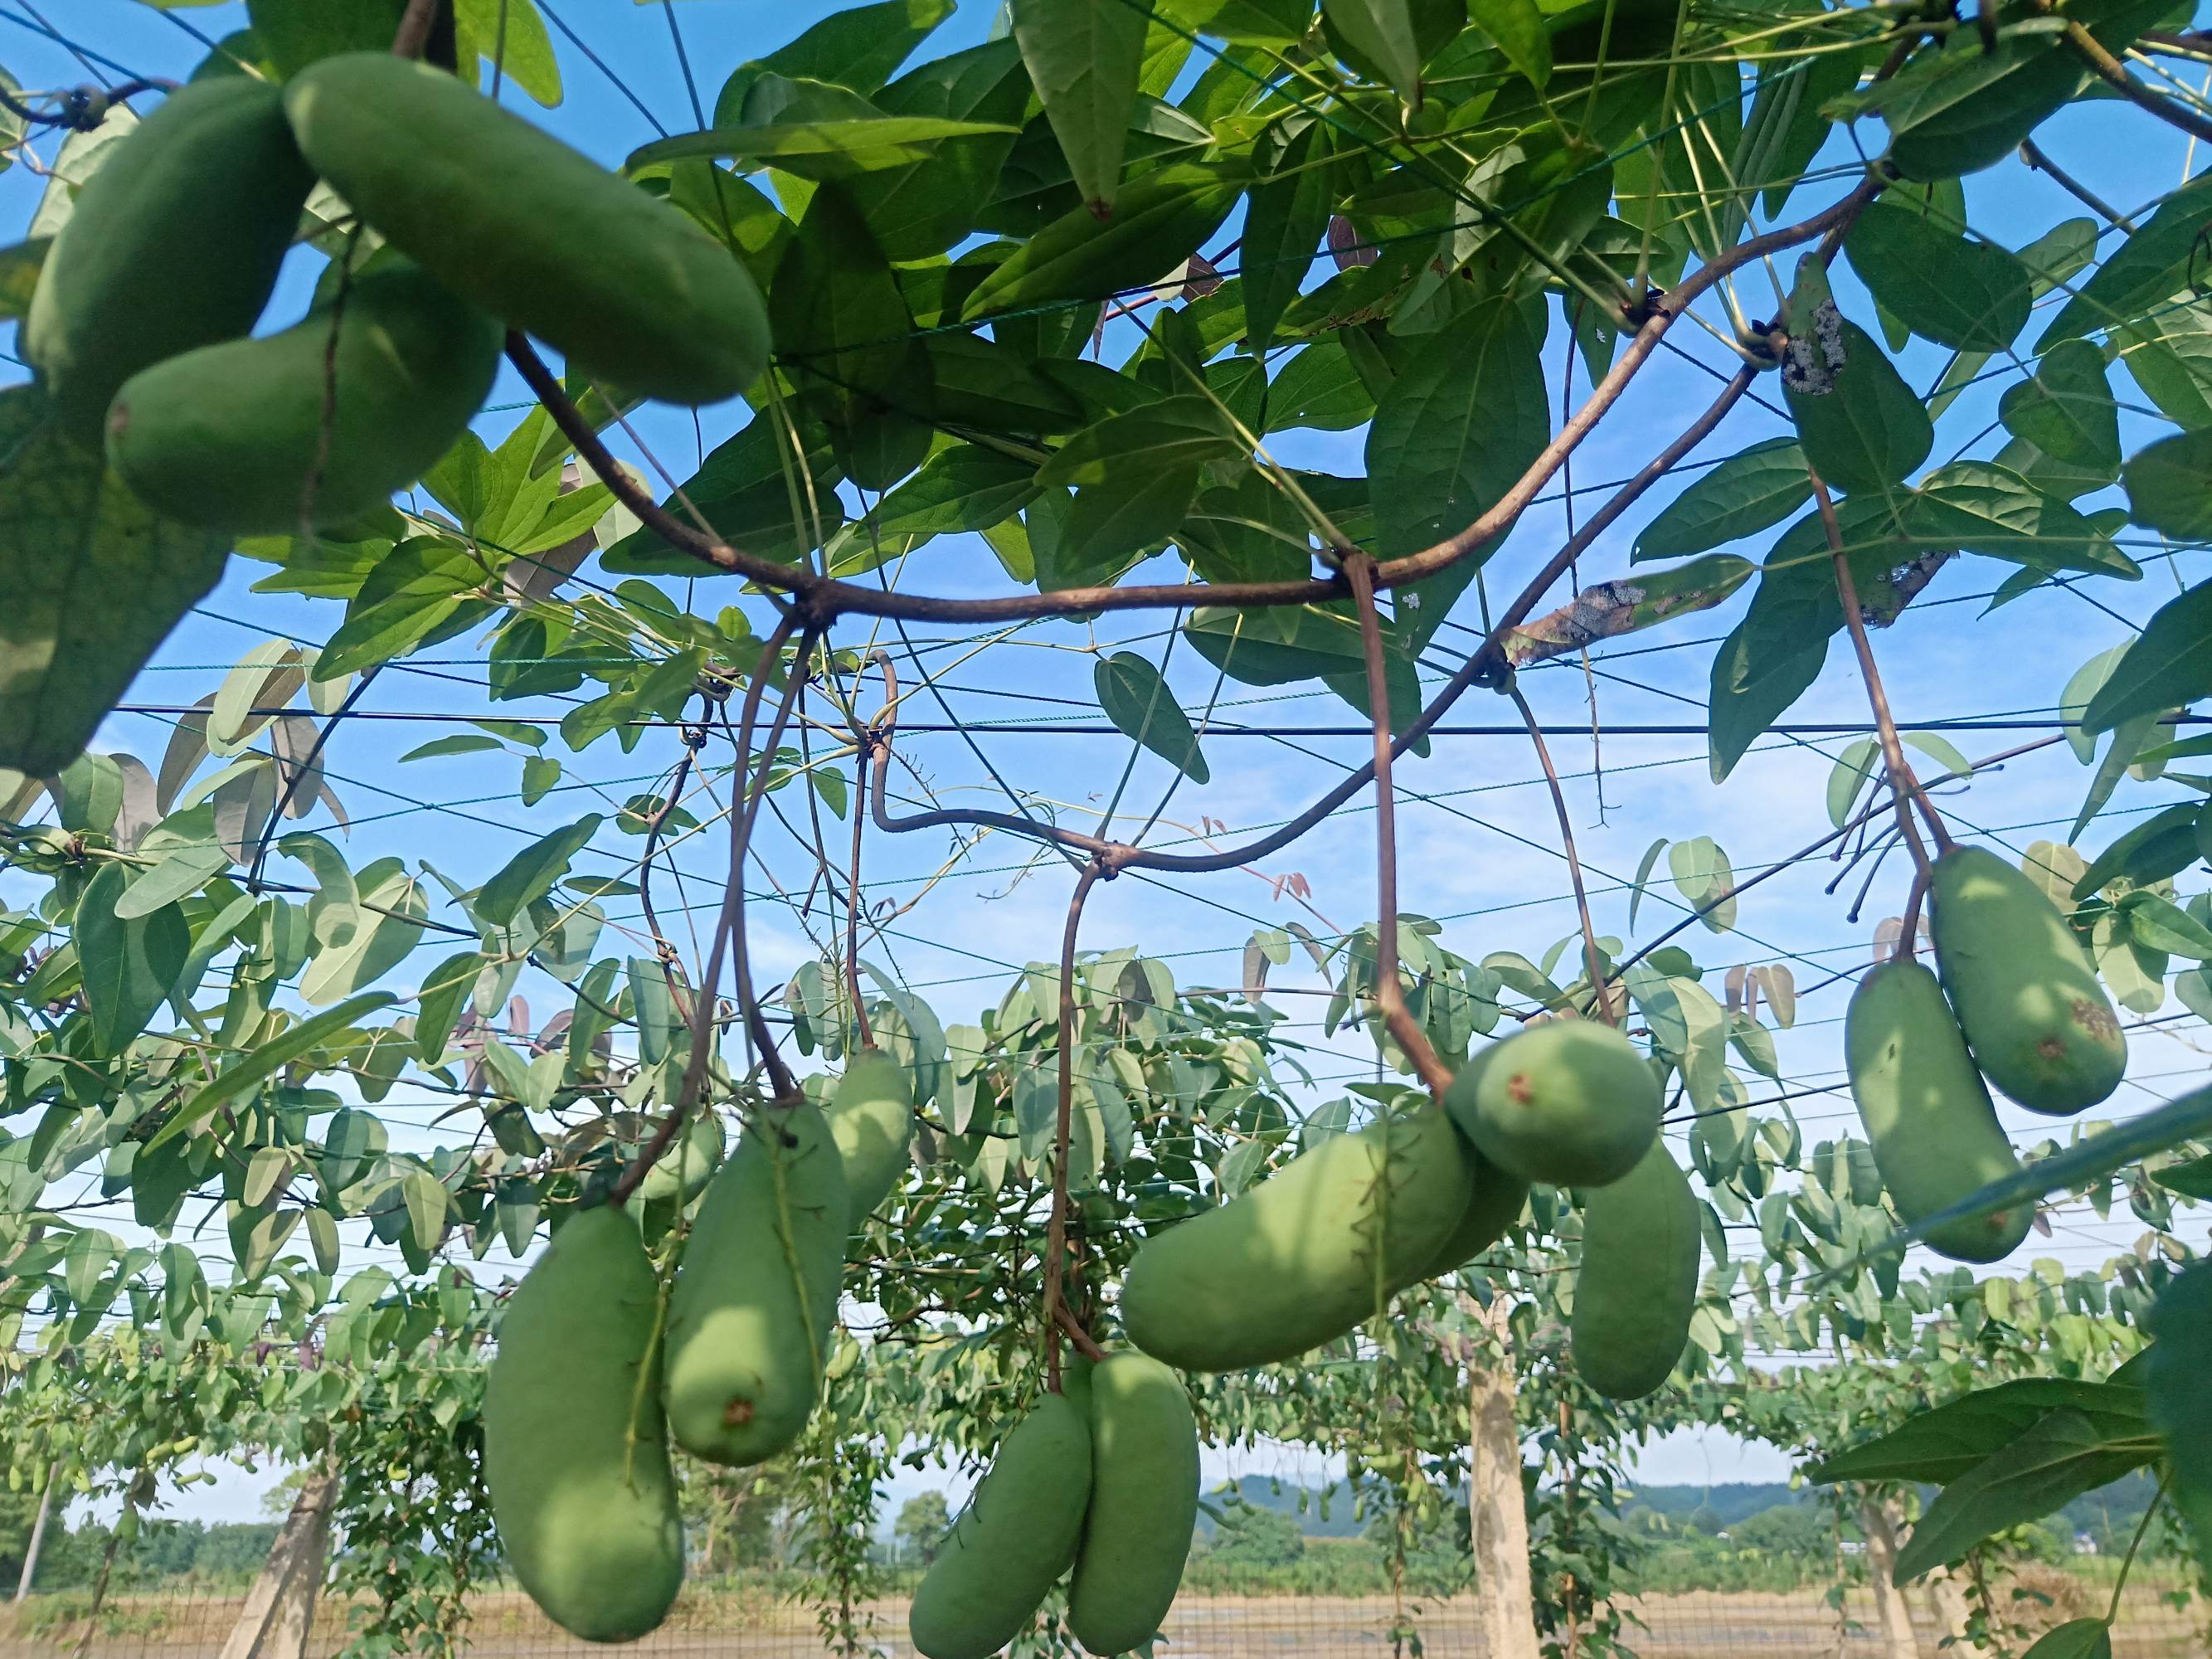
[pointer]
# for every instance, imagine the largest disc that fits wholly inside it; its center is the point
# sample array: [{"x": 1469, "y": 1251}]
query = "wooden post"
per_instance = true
[
  {"x": 280, "y": 1608},
  {"x": 1497, "y": 1507},
  {"x": 1880, "y": 1517}
]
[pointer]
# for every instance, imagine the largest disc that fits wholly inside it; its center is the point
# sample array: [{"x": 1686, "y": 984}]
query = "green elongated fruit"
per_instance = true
[
  {"x": 1571, "y": 1103},
  {"x": 1016, "y": 1536},
  {"x": 1639, "y": 1283},
  {"x": 2039, "y": 1023},
  {"x": 749, "y": 1321},
  {"x": 587, "y": 1515},
  {"x": 627, "y": 289},
  {"x": 1144, "y": 1503},
  {"x": 1305, "y": 1256},
  {"x": 1928, "y": 1115},
  {"x": 173, "y": 244},
  {"x": 689, "y": 1164},
  {"x": 232, "y": 436},
  {"x": 872, "y": 1119},
  {"x": 1495, "y": 1201}
]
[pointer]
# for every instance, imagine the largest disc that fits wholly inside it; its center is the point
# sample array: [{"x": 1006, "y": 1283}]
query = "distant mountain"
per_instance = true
[
  {"x": 1305, "y": 1505},
  {"x": 1714, "y": 1506}
]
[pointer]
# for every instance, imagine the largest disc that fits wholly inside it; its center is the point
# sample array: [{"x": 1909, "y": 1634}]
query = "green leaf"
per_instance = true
[
  {"x": 1940, "y": 1445},
  {"x": 2167, "y": 666},
  {"x": 129, "y": 963},
  {"x": 1184, "y": 431},
  {"x": 1084, "y": 57},
  {"x": 1284, "y": 223},
  {"x": 2155, "y": 263},
  {"x": 353, "y": 1141},
  {"x": 1953, "y": 290},
  {"x": 860, "y": 47},
  {"x": 531, "y": 873},
  {"x": 1382, "y": 32},
  {"x": 94, "y": 582},
  {"x": 2067, "y": 411},
  {"x": 841, "y": 320},
  {"x": 916, "y": 211},
  {"x": 2174, "y": 828},
  {"x": 1745, "y": 493},
  {"x": 1159, "y": 221},
  {"x": 2077, "y": 1638},
  {"x": 467, "y": 743},
  {"x": 1855, "y": 767},
  {"x": 1248, "y": 23},
  {"x": 1459, "y": 428},
  {"x": 1702, "y": 872},
  {"x": 1863, "y": 428},
  {"x": 1518, "y": 29},
  {"x": 2159, "y": 924},
  {"x": 965, "y": 488},
  {"x": 1980, "y": 506},
  {"x": 2169, "y": 486},
  {"x": 264, "y": 1062},
  {"x": 540, "y": 774},
  {"x": 358, "y": 945},
  {"x": 839, "y": 148},
  {"x": 1137, "y": 700},
  {"x": 1107, "y": 526},
  {"x": 1643, "y": 869},
  {"x": 1960, "y": 109},
  {"x": 414, "y": 591},
  {"x": 511, "y": 33},
  {"x": 183, "y": 871},
  {"x": 2066, "y": 1454},
  {"x": 2169, "y": 355}
]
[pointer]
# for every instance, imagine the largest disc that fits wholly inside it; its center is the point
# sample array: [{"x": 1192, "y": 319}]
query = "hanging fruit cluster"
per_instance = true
[
  {"x": 2015, "y": 999},
  {"x": 139, "y": 327}
]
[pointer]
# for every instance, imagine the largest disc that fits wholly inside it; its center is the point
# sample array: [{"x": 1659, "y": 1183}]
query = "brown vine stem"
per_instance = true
[
  {"x": 1903, "y": 784},
  {"x": 1600, "y": 981},
  {"x": 2032, "y": 154},
  {"x": 1078, "y": 1337},
  {"x": 1055, "y": 1237},
  {"x": 729, "y": 928},
  {"x": 820, "y": 599},
  {"x": 415, "y": 26},
  {"x": 867, "y": 1036},
  {"x": 2114, "y": 74},
  {"x": 1390, "y": 995},
  {"x": 1486, "y": 659}
]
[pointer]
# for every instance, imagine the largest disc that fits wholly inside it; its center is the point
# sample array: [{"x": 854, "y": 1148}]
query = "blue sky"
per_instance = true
[{"x": 1478, "y": 838}]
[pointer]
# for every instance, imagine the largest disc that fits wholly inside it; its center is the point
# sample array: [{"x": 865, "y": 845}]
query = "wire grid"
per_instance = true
[{"x": 754, "y": 1617}]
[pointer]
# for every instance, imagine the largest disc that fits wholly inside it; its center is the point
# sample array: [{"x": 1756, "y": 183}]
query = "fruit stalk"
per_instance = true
[
  {"x": 1590, "y": 953},
  {"x": 1359, "y": 572},
  {"x": 1056, "y": 1238},
  {"x": 1903, "y": 784}
]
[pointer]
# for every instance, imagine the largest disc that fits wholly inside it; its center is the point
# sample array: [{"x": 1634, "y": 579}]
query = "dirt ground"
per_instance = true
[{"x": 742, "y": 1625}]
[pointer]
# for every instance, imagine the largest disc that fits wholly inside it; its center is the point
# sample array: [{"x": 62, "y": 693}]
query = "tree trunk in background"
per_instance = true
[
  {"x": 1878, "y": 1518},
  {"x": 1947, "y": 1596},
  {"x": 280, "y": 1608},
  {"x": 1496, "y": 1509},
  {"x": 38, "y": 1536}
]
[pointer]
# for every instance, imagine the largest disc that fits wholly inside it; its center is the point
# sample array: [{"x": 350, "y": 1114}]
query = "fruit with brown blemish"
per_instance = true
[
  {"x": 750, "y": 1318},
  {"x": 2026, "y": 997},
  {"x": 1570, "y": 1101}
]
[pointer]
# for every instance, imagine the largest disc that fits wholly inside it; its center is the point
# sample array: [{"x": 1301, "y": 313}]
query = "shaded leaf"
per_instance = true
[
  {"x": 1084, "y": 57},
  {"x": 1746, "y": 493},
  {"x": 1140, "y": 705},
  {"x": 2168, "y": 665}
]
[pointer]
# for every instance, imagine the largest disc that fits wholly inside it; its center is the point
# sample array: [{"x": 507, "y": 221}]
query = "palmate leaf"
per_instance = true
[
  {"x": 93, "y": 583},
  {"x": 2065, "y": 1454},
  {"x": 1084, "y": 57},
  {"x": 1943, "y": 1444}
]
